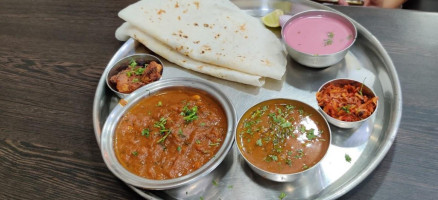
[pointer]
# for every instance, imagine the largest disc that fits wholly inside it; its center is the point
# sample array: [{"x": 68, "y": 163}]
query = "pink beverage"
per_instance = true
[{"x": 318, "y": 35}]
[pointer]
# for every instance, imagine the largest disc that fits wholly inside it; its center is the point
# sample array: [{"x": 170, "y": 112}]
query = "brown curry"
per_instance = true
[
  {"x": 170, "y": 134},
  {"x": 283, "y": 136}
]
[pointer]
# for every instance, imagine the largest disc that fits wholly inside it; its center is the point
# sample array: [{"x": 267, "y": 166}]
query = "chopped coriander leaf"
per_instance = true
[
  {"x": 282, "y": 196},
  {"x": 128, "y": 73},
  {"x": 164, "y": 137},
  {"x": 289, "y": 107},
  {"x": 330, "y": 34},
  {"x": 347, "y": 158},
  {"x": 273, "y": 157},
  {"x": 305, "y": 166},
  {"x": 289, "y": 162},
  {"x": 161, "y": 123},
  {"x": 213, "y": 144},
  {"x": 145, "y": 132},
  {"x": 249, "y": 131},
  {"x": 303, "y": 129},
  {"x": 139, "y": 71},
  {"x": 214, "y": 183},
  {"x": 259, "y": 142},
  {"x": 190, "y": 114},
  {"x": 198, "y": 141},
  {"x": 311, "y": 134},
  {"x": 135, "y": 153},
  {"x": 248, "y": 124},
  {"x": 328, "y": 42},
  {"x": 132, "y": 63},
  {"x": 178, "y": 148},
  {"x": 135, "y": 80},
  {"x": 201, "y": 198},
  {"x": 230, "y": 186},
  {"x": 202, "y": 124},
  {"x": 346, "y": 108},
  {"x": 300, "y": 153},
  {"x": 159, "y": 104},
  {"x": 286, "y": 124},
  {"x": 180, "y": 132}
]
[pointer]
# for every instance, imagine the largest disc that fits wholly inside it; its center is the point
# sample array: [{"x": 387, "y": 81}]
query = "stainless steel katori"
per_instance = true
[
  {"x": 279, "y": 177},
  {"x": 123, "y": 64},
  {"x": 345, "y": 124},
  {"x": 317, "y": 60},
  {"x": 367, "y": 145},
  {"x": 108, "y": 132}
]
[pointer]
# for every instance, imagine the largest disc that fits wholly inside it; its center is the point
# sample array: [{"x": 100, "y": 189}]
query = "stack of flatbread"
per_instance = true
[{"x": 213, "y": 37}]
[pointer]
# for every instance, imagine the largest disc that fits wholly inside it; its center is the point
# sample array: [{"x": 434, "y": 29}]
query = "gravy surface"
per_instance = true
[
  {"x": 170, "y": 134},
  {"x": 283, "y": 136}
]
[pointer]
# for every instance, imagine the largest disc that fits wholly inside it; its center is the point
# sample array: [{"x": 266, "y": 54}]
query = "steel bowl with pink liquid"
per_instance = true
[{"x": 317, "y": 38}]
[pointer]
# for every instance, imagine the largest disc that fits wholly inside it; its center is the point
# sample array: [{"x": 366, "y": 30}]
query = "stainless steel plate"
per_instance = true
[{"x": 367, "y": 145}]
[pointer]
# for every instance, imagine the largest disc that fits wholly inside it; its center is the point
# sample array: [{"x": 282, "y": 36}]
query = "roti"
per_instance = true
[
  {"x": 211, "y": 34},
  {"x": 126, "y": 30}
]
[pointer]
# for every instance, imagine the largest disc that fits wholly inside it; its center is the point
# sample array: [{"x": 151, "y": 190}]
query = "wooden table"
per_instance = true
[{"x": 52, "y": 54}]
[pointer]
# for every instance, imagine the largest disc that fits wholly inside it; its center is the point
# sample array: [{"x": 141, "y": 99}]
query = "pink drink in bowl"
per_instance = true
[{"x": 318, "y": 38}]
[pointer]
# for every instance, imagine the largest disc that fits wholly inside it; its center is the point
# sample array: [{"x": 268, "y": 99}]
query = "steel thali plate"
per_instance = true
[{"x": 367, "y": 145}]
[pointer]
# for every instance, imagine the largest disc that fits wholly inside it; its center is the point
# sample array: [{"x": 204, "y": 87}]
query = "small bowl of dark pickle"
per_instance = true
[{"x": 133, "y": 72}]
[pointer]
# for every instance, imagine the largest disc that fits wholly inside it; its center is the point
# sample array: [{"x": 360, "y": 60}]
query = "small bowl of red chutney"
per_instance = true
[{"x": 317, "y": 38}]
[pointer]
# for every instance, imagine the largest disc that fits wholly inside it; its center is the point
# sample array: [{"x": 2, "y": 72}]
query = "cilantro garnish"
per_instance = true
[
  {"x": 132, "y": 63},
  {"x": 145, "y": 132},
  {"x": 190, "y": 114},
  {"x": 282, "y": 196},
  {"x": 311, "y": 134},
  {"x": 347, "y": 158},
  {"x": 259, "y": 142}
]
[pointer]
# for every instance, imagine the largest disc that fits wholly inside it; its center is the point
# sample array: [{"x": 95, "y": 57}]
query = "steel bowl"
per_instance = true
[
  {"x": 317, "y": 60},
  {"x": 108, "y": 133},
  {"x": 345, "y": 124},
  {"x": 123, "y": 64},
  {"x": 279, "y": 177}
]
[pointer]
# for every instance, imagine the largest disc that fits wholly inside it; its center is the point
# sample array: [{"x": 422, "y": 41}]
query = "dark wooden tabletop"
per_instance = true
[{"x": 52, "y": 54}]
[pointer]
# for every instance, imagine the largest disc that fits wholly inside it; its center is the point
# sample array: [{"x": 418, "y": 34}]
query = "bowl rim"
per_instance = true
[
  {"x": 120, "y": 63},
  {"x": 313, "y": 12},
  {"x": 347, "y": 124},
  {"x": 107, "y": 137},
  {"x": 259, "y": 170}
]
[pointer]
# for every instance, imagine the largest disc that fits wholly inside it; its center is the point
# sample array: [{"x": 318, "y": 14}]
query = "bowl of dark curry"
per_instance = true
[
  {"x": 346, "y": 103},
  {"x": 283, "y": 139},
  {"x": 133, "y": 72},
  {"x": 168, "y": 133}
]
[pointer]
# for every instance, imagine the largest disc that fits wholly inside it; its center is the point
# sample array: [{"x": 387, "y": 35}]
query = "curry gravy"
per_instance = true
[
  {"x": 283, "y": 136},
  {"x": 170, "y": 134}
]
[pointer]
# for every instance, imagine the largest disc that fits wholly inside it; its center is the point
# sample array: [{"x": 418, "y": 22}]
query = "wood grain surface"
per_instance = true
[{"x": 52, "y": 54}]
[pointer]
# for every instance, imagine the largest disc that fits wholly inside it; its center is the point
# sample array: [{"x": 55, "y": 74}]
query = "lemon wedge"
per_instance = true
[{"x": 272, "y": 18}]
